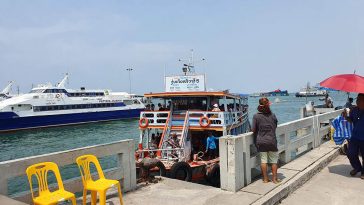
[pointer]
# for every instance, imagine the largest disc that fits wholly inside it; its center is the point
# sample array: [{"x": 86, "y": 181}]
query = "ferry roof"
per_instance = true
[{"x": 195, "y": 94}]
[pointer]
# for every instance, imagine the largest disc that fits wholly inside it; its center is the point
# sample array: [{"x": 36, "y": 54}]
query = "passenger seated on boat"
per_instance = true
[
  {"x": 147, "y": 107},
  {"x": 161, "y": 108},
  {"x": 211, "y": 148},
  {"x": 154, "y": 142},
  {"x": 197, "y": 145},
  {"x": 216, "y": 108},
  {"x": 158, "y": 138},
  {"x": 152, "y": 107},
  {"x": 328, "y": 101},
  {"x": 174, "y": 141},
  {"x": 230, "y": 107}
]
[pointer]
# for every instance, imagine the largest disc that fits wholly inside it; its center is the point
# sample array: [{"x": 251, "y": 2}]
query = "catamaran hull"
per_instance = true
[{"x": 9, "y": 121}]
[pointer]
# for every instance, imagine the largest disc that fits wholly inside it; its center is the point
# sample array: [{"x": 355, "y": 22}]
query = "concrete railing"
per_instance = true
[
  {"x": 238, "y": 155},
  {"x": 125, "y": 170}
]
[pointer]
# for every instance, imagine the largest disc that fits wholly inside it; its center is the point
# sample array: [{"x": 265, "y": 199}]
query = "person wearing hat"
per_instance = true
[
  {"x": 216, "y": 108},
  {"x": 264, "y": 129}
]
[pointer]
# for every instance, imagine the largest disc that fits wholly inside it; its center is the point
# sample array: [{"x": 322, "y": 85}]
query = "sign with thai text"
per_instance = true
[{"x": 185, "y": 83}]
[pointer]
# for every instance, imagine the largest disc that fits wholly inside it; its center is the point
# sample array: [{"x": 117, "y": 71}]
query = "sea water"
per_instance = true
[{"x": 46, "y": 140}]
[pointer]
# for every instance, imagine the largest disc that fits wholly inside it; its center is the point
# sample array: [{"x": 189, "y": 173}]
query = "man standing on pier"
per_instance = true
[
  {"x": 356, "y": 143},
  {"x": 264, "y": 129}
]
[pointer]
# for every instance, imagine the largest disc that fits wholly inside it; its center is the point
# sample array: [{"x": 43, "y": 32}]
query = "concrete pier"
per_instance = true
[
  {"x": 293, "y": 175},
  {"x": 333, "y": 185}
]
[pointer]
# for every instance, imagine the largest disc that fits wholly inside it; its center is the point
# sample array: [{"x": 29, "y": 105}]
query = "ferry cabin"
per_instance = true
[{"x": 190, "y": 115}]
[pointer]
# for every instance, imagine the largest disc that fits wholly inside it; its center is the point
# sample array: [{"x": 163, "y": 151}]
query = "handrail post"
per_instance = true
[
  {"x": 126, "y": 162},
  {"x": 287, "y": 148},
  {"x": 232, "y": 166},
  {"x": 247, "y": 161},
  {"x": 316, "y": 131},
  {"x": 3, "y": 184}
]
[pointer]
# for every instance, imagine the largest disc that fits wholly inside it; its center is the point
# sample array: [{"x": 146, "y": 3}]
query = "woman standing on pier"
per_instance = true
[{"x": 264, "y": 129}]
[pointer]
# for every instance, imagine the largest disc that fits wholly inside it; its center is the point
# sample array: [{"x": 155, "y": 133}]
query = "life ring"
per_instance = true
[
  {"x": 143, "y": 123},
  {"x": 202, "y": 124},
  {"x": 58, "y": 95}
]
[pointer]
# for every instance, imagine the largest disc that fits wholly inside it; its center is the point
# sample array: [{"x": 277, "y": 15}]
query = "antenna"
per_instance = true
[{"x": 189, "y": 68}]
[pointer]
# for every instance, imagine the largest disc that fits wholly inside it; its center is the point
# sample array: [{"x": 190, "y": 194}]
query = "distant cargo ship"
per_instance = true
[
  {"x": 277, "y": 92},
  {"x": 48, "y": 105}
]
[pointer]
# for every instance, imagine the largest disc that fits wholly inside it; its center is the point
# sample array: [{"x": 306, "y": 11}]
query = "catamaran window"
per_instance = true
[
  {"x": 84, "y": 94},
  {"x": 127, "y": 102},
  {"x": 37, "y": 91},
  {"x": 79, "y": 106}
]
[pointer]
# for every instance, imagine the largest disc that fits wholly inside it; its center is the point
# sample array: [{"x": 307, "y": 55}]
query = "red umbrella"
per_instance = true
[{"x": 345, "y": 82}]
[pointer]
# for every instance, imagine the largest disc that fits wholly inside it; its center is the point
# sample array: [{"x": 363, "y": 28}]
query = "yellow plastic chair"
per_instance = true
[
  {"x": 45, "y": 196},
  {"x": 95, "y": 186}
]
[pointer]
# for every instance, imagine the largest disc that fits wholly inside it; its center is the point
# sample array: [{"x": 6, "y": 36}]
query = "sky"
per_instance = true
[{"x": 249, "y": 46}]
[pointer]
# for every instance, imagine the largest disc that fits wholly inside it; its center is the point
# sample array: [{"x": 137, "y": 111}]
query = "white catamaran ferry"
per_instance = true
[
  {"x": 48, "y": 105},
  {"x": 175, "y": 126},
  {"x": 5, "y": 94}
]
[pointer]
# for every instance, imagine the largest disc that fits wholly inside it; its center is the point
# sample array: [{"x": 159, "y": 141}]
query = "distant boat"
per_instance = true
[
  {"x": 277, "y": 92},
  {"x": 48, "y": 105},
  {"x": 311, "y": 92},
  {"x": 5, "y": 93},
  {"x": 277, "y": 100}
]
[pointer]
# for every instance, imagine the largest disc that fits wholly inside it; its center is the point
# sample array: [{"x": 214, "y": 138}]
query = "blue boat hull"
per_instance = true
[{"x": 9, "y": 121}]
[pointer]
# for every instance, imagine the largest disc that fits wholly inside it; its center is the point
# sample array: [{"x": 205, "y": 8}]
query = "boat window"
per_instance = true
[
  {"x": 190, "y": 103},
  {"x": 128, "y": 102},
  {"x": 37, "y": 91}
]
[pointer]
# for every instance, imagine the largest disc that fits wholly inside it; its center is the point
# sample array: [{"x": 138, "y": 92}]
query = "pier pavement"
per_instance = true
[
  {"x": 333, "y": 185},
  {"x": 293, "y": 176}
]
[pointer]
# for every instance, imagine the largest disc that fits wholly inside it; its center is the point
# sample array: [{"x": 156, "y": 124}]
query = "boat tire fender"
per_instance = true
[
  {"x": 213, "y": 175},
  {"x": 179, "y": 168},
  {"x": 162, "y": 169}
]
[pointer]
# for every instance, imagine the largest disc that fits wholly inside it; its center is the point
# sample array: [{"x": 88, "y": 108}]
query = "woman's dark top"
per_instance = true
[{"x": 265, "y": 126}]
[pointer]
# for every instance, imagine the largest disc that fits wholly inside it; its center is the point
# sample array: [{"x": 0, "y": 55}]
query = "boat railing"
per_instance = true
[
  {"x": 232, "y": 117},
  {"x": 156, "y": 118},
  {"x": 169, "y": 153},
  {"x": 165, "y": 135},
  {"x": 185, "y": 140},
  {"x": 216, "y": 118},
  {"x": 240, "y": 117}
]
